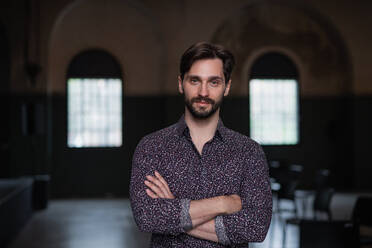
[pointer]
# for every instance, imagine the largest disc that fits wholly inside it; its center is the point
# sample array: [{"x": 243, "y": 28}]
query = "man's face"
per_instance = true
[{"x": 204, "y": 87}]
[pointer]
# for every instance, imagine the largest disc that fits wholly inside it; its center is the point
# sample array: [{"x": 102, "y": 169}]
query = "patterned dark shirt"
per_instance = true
[{"x": 230, "y": 163}]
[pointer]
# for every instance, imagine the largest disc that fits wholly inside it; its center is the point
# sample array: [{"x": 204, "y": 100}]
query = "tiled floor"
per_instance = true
[{"x": 109, "y": 223}]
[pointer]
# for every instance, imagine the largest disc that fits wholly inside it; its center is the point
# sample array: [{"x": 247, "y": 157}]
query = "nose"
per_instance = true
[{"x": 203, "y": 89}]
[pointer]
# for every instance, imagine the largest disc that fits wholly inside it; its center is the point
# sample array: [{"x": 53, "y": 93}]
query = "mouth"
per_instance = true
[{"x": 203, "y": 102}]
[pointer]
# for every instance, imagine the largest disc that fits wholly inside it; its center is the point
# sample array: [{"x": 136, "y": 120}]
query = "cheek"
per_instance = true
[
  {"x": 217, "y": 95},
  {"x": 189, "y": 91},
  {"x": 186, "y": 95}
]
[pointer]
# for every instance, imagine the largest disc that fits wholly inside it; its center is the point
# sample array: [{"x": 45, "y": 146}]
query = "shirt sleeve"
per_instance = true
[
  {"x": 252, "y": 222},
  {"x": 220, "y": 231},
  {"x": 186, "y": 222},
  {"x": 152, "y": 215}
]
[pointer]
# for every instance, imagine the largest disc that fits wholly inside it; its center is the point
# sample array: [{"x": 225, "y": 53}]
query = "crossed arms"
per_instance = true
[
  {"x": 245, "y": 218},
  {"x": 202, "y": 212}
]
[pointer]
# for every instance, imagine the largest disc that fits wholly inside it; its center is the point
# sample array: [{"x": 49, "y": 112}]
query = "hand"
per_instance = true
[
  {"x": 231, "y": 204},
  {"x": 158, "y": 187}
]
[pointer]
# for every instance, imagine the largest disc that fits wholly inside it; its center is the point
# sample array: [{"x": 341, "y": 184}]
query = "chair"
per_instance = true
[
  {"x": 362, "y": 221},
  {"x": 274, "y": 169},
  {"x": 319, "y": 184},
  {"x": 322, "y": 202},
  {"x": 321, "y": 205},
  {"x": 274, "y": 172},
  {"x": 321, "y": 179},
  {"x": 288, "y": 181}
]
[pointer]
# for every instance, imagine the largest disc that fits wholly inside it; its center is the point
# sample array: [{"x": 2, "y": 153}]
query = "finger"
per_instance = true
[
  {"x": 155, "y": 189},
  {"x": 151, "y": 194},
  {"x": 162, "y": 180},
  {"x": 158, "y": 183}
]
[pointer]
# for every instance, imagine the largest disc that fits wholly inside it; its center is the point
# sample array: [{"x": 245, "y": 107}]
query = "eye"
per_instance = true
[
  {"x": 194, "y": 80},
  {"x": 214, "y": 83}
]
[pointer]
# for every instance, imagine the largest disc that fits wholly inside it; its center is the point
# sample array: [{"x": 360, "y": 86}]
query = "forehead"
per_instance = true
[{"x": 207, "y": 68}]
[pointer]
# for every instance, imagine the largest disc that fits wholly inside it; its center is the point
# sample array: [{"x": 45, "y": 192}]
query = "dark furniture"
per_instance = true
[
  {"x": 321, "y": 205},
  {"x": 15, "y": 207},
  {"x": 362, "y": 222},
  {"x": 325, "y": 234}
]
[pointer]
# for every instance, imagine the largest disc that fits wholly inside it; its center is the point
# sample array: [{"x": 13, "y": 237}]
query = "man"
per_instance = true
[{"x": 198, "y": 183}]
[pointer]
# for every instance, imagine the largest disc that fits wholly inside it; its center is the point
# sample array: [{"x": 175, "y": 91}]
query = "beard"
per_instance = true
[{"x": 202, "y": 113}]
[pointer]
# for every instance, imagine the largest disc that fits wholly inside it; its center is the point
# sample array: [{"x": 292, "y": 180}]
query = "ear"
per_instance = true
[
  {"x": 227, "y": 88},
  {"x": 180, "y": 88}
]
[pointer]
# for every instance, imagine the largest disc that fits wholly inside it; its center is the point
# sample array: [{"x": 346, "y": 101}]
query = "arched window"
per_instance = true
[
  {"x": 94, "y": 101},
  {"x": 274, "y": 100}
]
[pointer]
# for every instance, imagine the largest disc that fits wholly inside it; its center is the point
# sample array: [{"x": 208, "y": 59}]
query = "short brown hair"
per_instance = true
[{"x": 204, "y": 50}]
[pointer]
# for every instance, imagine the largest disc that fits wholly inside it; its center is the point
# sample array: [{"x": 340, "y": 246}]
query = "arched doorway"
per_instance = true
[{"x": 91, "y": 164}]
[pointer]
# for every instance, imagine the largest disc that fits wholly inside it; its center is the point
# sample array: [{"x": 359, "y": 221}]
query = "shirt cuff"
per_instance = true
[
  {"x": 220, "y": 231},
  {"x": 186, "y": 223}
]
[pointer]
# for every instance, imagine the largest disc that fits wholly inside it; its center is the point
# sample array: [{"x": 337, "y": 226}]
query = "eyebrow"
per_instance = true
[
  {"x": 209, "y": 78},
  {"x": 214, "y": 78}
]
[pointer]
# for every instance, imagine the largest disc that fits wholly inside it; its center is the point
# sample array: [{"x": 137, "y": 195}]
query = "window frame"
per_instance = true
[
  {"x": 299, "y": 126},
  {"x": 67, "y": 116},
  {"x": 95, "y": 74}
]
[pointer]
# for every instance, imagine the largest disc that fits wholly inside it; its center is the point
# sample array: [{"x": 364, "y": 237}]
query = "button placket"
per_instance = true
[{"x": 204, "y": 165}]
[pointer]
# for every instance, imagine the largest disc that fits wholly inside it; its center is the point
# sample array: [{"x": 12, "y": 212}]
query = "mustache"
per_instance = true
[{"x": 200, "y": 98}]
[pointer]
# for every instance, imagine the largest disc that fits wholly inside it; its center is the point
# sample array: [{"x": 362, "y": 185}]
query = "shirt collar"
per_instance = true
[{"x": 181, "y": 127}]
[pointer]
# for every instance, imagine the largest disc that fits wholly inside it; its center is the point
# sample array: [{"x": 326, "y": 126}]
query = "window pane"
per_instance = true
[
  {"x": 274, "y": 111},
  {"x": 94, "y": 112}
]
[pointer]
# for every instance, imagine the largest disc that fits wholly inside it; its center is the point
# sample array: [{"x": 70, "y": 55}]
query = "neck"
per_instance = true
[{"x": 202, "y": 129}]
